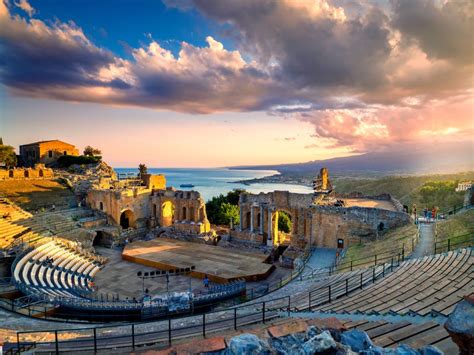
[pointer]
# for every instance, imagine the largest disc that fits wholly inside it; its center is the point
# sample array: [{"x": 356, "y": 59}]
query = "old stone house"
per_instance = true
[{"x": 45, "y": 152}]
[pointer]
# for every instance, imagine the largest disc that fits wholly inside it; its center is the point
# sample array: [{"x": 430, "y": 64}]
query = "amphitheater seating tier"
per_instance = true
[
  {"x": 67, "y": 273},
  {"x": 430, "y": 285}
]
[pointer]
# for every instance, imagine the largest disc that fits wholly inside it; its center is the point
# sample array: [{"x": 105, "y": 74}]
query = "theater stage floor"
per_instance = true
[{"x": 220, "y": 264}]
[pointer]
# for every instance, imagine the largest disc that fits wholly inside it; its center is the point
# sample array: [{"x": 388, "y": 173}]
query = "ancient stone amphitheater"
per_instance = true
[{"x": 400, "y": 301}]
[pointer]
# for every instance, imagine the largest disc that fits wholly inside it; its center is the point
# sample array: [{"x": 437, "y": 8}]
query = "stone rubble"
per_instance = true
[{"x": 318, "y": 341}]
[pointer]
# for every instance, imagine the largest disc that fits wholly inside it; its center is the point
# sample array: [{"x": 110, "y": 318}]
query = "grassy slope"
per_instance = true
[
  {"x": 458, "y": 228},
  {"x": 36, "y": 194},
  {"x": 390, "y": 243},
  {"x": 404, "y": 188}
]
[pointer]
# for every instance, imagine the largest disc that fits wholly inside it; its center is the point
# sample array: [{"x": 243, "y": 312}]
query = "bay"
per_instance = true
[{"x": 211, "y": 182}]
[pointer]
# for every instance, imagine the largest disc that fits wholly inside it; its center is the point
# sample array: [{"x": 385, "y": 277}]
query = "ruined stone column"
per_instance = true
[
  {"x": 241, "y": 218},
  {"x": 261, "y": 219},
  {"x": 270, "y": 231},
  {"x": 251, "y": 219}
]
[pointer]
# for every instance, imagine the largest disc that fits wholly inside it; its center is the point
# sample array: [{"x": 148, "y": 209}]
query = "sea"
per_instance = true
[{"x": 216, "y": 181}]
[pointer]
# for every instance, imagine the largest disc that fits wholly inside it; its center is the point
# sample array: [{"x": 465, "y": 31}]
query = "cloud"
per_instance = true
[
  {"x": 25, "y": 6},
  {"x": 363, "y": 75},
  {"x": 383, "y": 127}
]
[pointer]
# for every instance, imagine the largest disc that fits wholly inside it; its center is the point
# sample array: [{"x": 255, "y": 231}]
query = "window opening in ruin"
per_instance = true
[{"x": 50, "y": 153}]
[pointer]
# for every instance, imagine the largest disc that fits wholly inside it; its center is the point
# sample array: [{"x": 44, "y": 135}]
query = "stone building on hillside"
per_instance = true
[
  {"x": 147, "y": 202},
  {"x": 45, "y": 152}
]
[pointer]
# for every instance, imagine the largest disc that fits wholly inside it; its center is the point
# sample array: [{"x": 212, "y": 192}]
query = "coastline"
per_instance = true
[{"x": 278, "y": 179}]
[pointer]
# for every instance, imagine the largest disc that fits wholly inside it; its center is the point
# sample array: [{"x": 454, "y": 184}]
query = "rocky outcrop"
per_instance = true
[
  {"x": 319, "y": 341},
  {"x": 81, "y": 178},
  {"x": 460, "y": 325}
]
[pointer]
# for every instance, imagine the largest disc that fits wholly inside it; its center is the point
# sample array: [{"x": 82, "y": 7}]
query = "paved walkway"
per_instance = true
[
  {"x": 426, "y": 243},
  {"x": 320, "y": 259}
]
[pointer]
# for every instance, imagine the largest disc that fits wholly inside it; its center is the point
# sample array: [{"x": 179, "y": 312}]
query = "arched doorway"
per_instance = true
[
  {"x": 183, "y": 215},
  {"x": 191, "y": 214},
  {"x": 98, "y": 239},
  {"x": 282, "y": 227},
  {"x": 167, "y": 213},
  {"x": 127, "y": 219},
  {"x": 40, "y": 172}
]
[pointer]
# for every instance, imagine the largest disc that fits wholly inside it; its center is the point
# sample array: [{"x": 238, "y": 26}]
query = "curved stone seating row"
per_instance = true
[
  {"x": 67, "y": 275},
  {"x": 430, "y": 285},
  {"x": 328, "y": 287}
]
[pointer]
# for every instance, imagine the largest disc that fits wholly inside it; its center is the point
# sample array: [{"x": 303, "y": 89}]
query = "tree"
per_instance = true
[
  {"x": 220, "y": 209},
  {"x": 284, "y": 222},
  {"x": 142, "y": 170},
  {"x": 7, "y": 156},
  {"x": 91, "y": 152},
  {"x": 228, "y": 212}
]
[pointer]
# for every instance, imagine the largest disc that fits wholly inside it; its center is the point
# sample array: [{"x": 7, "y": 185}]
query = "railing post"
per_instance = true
[
  {"x": 95, "y": 340},
  {"x": 449, "y": 244},
  {"x": 235, "y": 318},
  {"x": 18, "y": 342},
  {"x": 373, "y": 275},
  {"x": 133, "y": 336},
  {"x": 361, "y": 275},
  {"x": 351, "y": 265},
  {"x": 204, "y": 325},
  {"x": 56, "y": 343},
  {"x": 169, "y": 331},
  {"x": 329, "y": 293},
  {"x": 383, "y": 270},
  {"x": 435, "y": 247},
  {"x": 403, "y": 252},
  {"x": 263, "y": 312},
  {"x": 375, "y": 259},
  {"x": 391, "y": 265},
  {"x": 347, "y": 287}
]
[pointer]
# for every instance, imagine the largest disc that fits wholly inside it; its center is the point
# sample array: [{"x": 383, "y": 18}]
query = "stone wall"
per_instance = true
[
  {"x": 147, "y": 206},
  {"x": 351, "y": 224},
  {"x": 39, "y": 172},
  {"x": 316, "y": 225}
]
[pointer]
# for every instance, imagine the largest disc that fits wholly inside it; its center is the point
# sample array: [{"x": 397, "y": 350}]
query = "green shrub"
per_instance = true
[{"x": 68, "y": 160}]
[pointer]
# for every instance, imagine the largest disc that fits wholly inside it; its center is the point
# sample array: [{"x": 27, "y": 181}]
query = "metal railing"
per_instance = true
[
  {"x": 465, "y": 240},
  {"x": 129, "y": 335},
  {"x": 134, "y": 334}
]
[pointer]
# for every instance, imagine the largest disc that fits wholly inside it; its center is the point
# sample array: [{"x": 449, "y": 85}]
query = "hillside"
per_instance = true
[
  {"x": 458, "y": 228},
  {"x": 425, "y": 191},
  {"x": 388, "y": 245},
  {"x": 432, "y": 158},
  {"x": 38, "y": 193}
]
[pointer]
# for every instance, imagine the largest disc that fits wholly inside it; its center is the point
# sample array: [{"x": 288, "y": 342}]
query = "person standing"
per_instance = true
[{"x": 206, "y": 281}]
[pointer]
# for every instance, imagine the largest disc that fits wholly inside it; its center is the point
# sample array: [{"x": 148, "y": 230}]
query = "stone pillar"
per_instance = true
[
  {"x": 270, "y": 228},
  {"x": 241, "y": 218},
  {"x": 251, "y": 219},
  {"x": 261, "y": 219}
]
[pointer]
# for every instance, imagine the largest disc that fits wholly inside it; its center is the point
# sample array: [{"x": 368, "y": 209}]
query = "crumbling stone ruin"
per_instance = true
[
  {"x": 38, "y": 172},
  {"x": 147, "y": 203},
  {"x": 322, "y": 219}
]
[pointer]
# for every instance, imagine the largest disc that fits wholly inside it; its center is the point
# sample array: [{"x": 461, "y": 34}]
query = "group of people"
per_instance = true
[{"x": 429, "y": 215}]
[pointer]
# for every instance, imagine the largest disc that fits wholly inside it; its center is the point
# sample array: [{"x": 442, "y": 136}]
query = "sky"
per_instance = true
[{"x": 207, "y": 83}]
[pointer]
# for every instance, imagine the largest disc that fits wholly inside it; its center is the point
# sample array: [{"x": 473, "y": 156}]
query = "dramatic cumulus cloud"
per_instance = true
[{"x": 363, "y": 74}]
